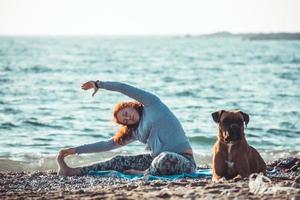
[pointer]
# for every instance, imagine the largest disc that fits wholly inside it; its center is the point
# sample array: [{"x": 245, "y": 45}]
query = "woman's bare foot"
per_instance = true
[
  {"x": 62, "y": 166},
  {"x": 64, "y": 169}
]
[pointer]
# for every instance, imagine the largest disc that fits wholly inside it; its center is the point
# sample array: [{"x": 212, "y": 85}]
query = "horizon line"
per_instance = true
[{"x": 148, "y": 34}]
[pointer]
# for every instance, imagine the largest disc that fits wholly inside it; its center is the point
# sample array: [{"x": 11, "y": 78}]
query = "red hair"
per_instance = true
[{"x": 125, "y": 132}]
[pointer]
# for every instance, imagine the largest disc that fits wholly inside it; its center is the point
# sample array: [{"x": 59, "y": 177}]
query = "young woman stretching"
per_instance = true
[{"x": 149, "y": 121}]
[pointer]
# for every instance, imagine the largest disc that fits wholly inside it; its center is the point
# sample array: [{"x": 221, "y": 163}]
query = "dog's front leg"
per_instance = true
[
  {"x": 242, "y": 167},
  {"x": 218, "y": 167}
]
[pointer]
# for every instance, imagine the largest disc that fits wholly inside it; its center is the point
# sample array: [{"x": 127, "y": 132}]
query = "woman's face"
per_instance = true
[{"x": 128, "y": 116}]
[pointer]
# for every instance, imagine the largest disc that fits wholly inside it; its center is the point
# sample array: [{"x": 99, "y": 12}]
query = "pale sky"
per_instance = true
[{"x": 135, "y": 17}]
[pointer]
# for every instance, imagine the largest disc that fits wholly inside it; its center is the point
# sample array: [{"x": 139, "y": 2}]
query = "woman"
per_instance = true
[{"x": 149, "y": 121}]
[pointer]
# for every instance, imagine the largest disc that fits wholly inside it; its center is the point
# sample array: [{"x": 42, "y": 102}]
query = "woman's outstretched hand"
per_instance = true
[
  {"x": 65, "y": 152},
  {"x": 89, "y": 85}
]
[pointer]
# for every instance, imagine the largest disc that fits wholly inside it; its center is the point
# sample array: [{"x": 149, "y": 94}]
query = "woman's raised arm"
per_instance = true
[{"x": 140, "y": 95}]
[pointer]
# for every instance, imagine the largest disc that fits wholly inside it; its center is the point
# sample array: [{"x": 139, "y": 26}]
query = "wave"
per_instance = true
[
  {"x": 288, "y": 76},
  {"x": 43, "y": 139},
  {"x": 236, "y": 63},
  {"x": 39, "y": 124},
  {"x": 67, "y": 118},
  {"x": 38, "y": 69},
  {"x": 11, "y": 110},
  {"x": 168, "y": 79},
  {"x": 203, "y": 140},
  {"x": 284, "y": 132},
  {"x": 249, "y": 135},
  {"x": 7, "y": 125},
  {"x": 295, "y": 60},
  {"x": 186, "y": 94},
  {"x": 19, "y": 145},
  {"x": 41, "y": 164}
]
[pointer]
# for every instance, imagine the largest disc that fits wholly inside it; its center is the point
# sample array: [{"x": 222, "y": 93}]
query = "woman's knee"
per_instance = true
[
  {"x": 164, "y": 164},
  {"x": 164, "y": 156}
]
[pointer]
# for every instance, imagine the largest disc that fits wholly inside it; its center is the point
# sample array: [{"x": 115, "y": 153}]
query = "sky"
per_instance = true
[{"x": 147, "y": 17}]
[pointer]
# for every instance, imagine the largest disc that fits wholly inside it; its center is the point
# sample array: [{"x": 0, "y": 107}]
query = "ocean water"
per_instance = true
[{"x": 43, "y": 109}]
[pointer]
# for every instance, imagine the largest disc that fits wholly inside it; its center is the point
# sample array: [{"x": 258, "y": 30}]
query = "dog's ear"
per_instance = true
[
  {"x": 217, "y": 115},
  {"x": 246, "y": 118}
]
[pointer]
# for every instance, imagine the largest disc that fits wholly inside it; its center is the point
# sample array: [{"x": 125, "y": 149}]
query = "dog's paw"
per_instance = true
[
  {"x": 219, "y": 179},
  {"x": 237, "y": 178}
]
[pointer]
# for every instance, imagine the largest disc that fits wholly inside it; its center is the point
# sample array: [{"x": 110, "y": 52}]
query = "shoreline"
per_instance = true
[
  {"x": 48, "y": 162},
  {"x": 47, "y": 185}
]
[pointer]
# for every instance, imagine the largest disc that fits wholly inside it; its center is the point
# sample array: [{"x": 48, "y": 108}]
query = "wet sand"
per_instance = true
[{"x": 47, "y": 185}]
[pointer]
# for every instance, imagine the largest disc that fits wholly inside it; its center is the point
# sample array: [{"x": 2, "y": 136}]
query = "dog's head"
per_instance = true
[{"x": 231, "y": 124}]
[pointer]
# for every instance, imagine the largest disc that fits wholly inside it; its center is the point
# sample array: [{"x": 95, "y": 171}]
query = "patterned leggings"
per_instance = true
[{"x": 166, "y": 163}]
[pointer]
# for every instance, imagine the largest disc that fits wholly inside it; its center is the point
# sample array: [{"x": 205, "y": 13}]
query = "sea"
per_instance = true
[{"x": 43, "y": 108}]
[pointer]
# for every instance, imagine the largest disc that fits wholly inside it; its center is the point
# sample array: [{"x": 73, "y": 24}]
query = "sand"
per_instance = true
[{"x": 47, "y": 185}]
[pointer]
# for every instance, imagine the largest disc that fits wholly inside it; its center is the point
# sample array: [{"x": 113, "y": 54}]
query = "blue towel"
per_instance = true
[{"x": 200, "y": 173}]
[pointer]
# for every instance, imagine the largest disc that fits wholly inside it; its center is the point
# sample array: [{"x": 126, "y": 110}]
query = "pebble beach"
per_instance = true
[{"x": 47, "y": 185}]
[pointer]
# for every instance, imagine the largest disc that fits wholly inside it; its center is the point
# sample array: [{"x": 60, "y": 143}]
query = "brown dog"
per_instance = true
[{"x": 233, "y": 157}]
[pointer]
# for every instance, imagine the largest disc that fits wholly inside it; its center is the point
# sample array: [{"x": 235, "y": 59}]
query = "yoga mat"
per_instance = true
[{"x": 200, "y": 173}]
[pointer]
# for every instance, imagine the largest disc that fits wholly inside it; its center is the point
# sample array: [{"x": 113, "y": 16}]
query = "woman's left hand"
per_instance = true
[
  {"x": 89, "y": 85},
  {"x": 66, "y": 152}
]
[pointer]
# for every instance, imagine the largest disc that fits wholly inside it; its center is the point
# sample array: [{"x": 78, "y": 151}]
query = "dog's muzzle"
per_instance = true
[{"x": 232, "y": 133}]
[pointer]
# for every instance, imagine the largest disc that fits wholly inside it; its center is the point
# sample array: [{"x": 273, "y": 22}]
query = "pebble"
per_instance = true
[
  {"x": 164, "y": 194},
  {"x": 297, "y": 179},
  {"x": 190, "y": 194}
]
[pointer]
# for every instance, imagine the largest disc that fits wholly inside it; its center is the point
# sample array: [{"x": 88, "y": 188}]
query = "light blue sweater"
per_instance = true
[{"x": 158, "y": 128}]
